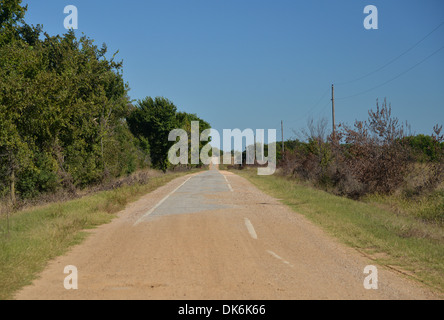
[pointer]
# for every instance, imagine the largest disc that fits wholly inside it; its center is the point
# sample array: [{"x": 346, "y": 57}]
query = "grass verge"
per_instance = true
[
  {"x": 400, "y": 242},
  {"x": 40, "y": 234}
]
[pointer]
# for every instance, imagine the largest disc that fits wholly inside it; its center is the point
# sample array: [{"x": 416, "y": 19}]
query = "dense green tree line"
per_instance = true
[
  {"x": 153, "y": 119},
  {"x": 66, "y": 120}
]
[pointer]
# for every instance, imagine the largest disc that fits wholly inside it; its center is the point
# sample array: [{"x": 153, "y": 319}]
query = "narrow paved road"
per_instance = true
[{"x": 213, "y": 235}]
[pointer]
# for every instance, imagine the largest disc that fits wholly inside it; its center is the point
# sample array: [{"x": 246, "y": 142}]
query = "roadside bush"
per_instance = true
[
  {"x": 372, "y": 156},
  {"x": 425, "y": 148},
  {"x": 378, "y": 157}
]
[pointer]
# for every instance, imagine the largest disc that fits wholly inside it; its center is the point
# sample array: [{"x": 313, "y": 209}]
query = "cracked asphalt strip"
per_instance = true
[{"x": 213, "y": 235}]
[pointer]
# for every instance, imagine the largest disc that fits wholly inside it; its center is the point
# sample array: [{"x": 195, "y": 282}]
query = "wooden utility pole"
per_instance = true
[
  {"x": 333, "y": 108},
  {"x": 282, "y": 130},
  {"x": 254, "y": 150}
]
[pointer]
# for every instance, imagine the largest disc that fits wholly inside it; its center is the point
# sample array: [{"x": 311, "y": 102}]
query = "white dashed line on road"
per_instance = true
[
  {"x": 279, "y": 258},
  {"x": 250, "y": 228},
  {"x": 229, "y": 185}
]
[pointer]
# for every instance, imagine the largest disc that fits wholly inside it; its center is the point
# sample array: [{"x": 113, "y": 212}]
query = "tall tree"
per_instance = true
[
  {"x": 154, "y": 119},
  {"x": 184, "y": 121}
]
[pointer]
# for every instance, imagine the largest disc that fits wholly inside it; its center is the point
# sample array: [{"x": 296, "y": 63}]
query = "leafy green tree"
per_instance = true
[
  {"x": 14, "y": 155},
  {"x": 184, "y": 121},
  {"x": 65, "y": 104},
  {"x": 425, "y": 148},
  {"x": 65, "y": 113},
  {"x": 153, "y": 119},
  {"x": 12, "y": 25}
]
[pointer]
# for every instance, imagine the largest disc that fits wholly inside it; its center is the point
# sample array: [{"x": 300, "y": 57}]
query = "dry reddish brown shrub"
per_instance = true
[{"x": 369, "y": 157}]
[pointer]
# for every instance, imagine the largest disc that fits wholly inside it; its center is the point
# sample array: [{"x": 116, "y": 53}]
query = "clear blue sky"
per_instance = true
[{"x": 252, "y": 63}]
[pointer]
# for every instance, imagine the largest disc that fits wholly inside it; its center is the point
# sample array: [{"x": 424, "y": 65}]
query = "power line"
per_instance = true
[
  {"x": 324, "y": 107},
  {"x": 394, "y": 59},
  {"x": 392, "y": 79},
  {"x": 317, "y": 103}
]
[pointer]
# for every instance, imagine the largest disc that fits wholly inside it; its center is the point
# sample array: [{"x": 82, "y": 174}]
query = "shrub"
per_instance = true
[
  {"x": 373, "y": 156},
  {"x": 425, "y": 148}
]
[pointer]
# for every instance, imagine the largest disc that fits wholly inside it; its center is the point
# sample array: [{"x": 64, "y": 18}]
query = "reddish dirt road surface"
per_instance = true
[{"x": 214, "y": 235}]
